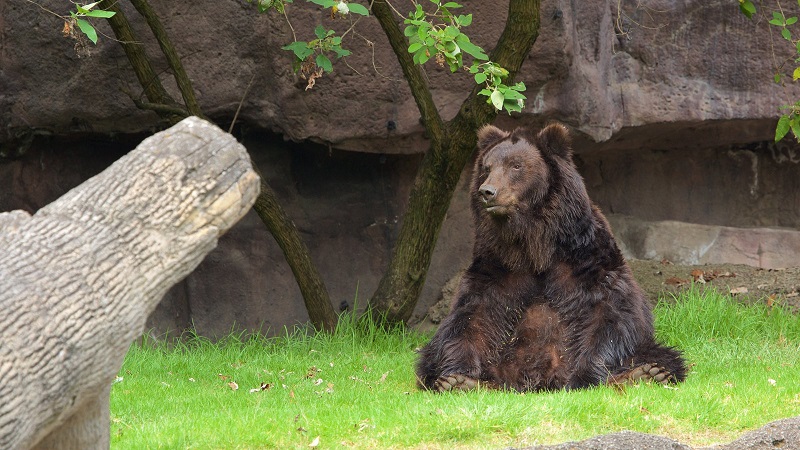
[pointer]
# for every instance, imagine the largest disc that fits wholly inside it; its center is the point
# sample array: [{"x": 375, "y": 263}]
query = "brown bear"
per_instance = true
[{"x": 548, "y": 301}]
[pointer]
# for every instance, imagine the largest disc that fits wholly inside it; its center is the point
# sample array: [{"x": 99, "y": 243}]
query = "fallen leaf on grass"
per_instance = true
[
  {"x": 772, "y": 382},
  {"x": 739, "y": 290},
  {"x": 699, "y": 276},
  {"x": 222, "y": 377},
  {"x": 383, "y": 377},
  {"x": 675, "y": 281},
  {"x": 315, "y": 442},
  {"x": 233, "y": 385}
]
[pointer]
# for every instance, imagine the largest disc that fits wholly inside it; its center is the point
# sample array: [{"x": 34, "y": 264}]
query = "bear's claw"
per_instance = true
[
  {"x": 645, "y": 372},
  {"x": 455, "y": 382}
]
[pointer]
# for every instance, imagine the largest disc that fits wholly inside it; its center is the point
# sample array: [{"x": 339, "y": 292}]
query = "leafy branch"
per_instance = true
[
  {"x": 79, "y": 18},
  {"x": 433, "y": 35},
  {"x": 791, "y": 119},
  {"x": 438, "y": 35}
]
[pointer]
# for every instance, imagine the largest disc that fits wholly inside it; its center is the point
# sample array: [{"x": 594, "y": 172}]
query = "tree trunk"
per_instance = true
[
  {"x": 79, "y": 278},
  {"x": 400, "y": 287},
  {"x": 315, "y": 295}
]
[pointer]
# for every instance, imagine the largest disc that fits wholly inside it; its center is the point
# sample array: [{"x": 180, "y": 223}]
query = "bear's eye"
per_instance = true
[{"x": 517, "y": 166}]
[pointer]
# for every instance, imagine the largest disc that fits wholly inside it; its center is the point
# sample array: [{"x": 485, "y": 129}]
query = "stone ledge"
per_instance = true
[{"x": 694, "y": 244}]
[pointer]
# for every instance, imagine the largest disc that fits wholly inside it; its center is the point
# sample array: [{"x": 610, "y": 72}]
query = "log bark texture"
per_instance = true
[{"x": 79, "y": 278}]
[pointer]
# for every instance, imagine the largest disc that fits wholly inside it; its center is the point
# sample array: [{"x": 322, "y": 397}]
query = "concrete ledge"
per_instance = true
[{"x": 692, "y": 244}]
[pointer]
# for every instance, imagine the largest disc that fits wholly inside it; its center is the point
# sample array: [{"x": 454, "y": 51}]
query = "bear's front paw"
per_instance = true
[
  {"x": 645, "y": 372},
  {"x": 455, "y": 382}
]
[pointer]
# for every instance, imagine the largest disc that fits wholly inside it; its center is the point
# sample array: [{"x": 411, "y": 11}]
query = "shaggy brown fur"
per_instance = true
[{"x": 548, "y": 301}]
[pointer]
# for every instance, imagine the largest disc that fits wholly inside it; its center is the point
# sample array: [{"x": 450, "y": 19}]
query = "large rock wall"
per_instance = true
[
  {"x": 672, "y": 104},
  {"x": 600, "y": 65}
]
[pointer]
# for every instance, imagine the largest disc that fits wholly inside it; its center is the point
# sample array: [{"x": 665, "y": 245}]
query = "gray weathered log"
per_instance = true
[{"x": 79, "y": 278}]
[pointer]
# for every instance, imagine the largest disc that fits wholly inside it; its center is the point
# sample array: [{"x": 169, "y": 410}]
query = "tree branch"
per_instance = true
[
  {"x": 413, "y": 73},
  {"x": 515, "y": 43},
  {"x": 174, "y": 61},
  {"x": 153, "y": 90}
]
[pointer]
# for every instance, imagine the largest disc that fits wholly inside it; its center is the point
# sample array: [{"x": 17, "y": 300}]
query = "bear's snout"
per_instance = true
[{"x": 488, "y": 192}]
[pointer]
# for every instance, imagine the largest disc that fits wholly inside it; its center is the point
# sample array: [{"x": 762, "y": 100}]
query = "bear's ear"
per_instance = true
[
  {"x": 489, "y": 135},
  {"x": 554, "y": 138}
]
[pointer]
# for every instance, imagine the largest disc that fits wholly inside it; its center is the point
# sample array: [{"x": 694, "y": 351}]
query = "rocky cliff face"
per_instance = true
[
  {"x": 672, "y": 105},
  {"x": 600, "y": 65}
]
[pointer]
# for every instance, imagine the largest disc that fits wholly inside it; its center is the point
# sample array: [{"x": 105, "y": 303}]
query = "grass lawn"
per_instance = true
[{"x": 356, "y": 389}]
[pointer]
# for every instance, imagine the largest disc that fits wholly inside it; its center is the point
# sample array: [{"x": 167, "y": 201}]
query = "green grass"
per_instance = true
[{"x": 356, "y": 389}]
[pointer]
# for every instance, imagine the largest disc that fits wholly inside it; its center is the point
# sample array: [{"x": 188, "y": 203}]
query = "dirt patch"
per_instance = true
[{"x": 745, "y": 283}]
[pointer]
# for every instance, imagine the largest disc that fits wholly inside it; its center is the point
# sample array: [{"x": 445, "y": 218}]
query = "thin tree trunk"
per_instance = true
[
  {"x": 142, "y": 67},
  {"x": 174, "y": 61},
  {"x": 267, "y": 207},
  {"x": 400, "y": 287}
]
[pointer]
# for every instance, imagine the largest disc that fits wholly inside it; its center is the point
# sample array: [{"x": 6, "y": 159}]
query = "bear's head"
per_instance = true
[
  {"x": 514, "y": 171},
  {"x": 528, "y": 198}
]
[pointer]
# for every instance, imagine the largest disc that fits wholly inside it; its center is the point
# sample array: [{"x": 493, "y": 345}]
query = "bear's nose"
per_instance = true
[{"x": 488, "y": 192}]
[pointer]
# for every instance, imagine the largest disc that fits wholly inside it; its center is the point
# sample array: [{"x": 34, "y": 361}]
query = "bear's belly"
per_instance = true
[{"x": 535, "y": 358}]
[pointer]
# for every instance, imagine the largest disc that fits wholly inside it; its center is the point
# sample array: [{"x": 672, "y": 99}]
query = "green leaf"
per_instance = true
[
  {"x": 410, "y": 30},
  {"x": 413, "y": 48},
  {"x": 782, "y": 128},
  {"x": 777, "y": 15},
  {"x": 300, "y": 49},
  {"x": 451, "y": 32},
  {"x": 341, "y": 52},
  {"x": 795, "y": 125},
  {"x": 325, "y": 63},
  {"x": 786, "y": 34},
  {"x": 320, "y": 32},
  {"x": 777, "y": 22},
  {"x": 511, "y": 94},
  {"x": 358, "y": 9},
  {"x": 791, "y": 20},
  {"x": 88, "y": 30},
  {"x": 100, "y": 13},
  {"x": 469, "y": 48},
  {"x": 480, "y": 78},
  {"x": 777, "y": 78},
  {"x": 454, "y": 5},
  {"x": 497, "y": 99},
  {"x": 796, "y": 74},
  {"x": 418, "y": 13},
  {"x": 747, "y": 8},
  {"x": 324, "y": 3},
  {"x": 465, "y": 21}
]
